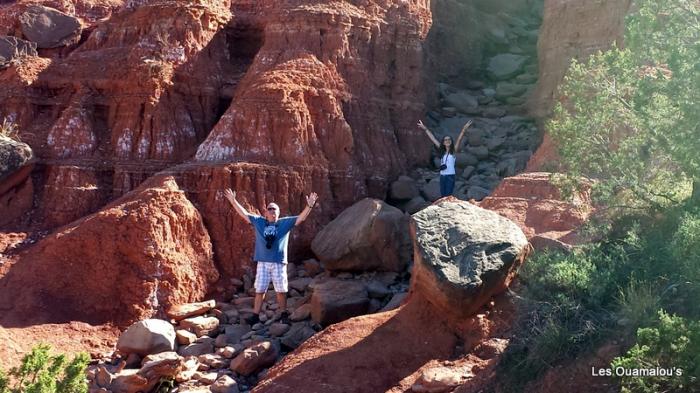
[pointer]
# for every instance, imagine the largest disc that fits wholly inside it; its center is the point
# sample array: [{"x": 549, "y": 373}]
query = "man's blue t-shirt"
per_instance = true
[{"x": 279, "y": 234}]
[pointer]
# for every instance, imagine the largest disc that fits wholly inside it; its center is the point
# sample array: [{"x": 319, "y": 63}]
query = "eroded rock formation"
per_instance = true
[
  {"x": 139, "y": 255},
  {"x": 313, "y": 96},
  {"x": 537, "y": 206}
]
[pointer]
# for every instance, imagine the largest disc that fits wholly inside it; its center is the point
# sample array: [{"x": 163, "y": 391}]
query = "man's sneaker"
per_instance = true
[{"x": 252, "y": 320}]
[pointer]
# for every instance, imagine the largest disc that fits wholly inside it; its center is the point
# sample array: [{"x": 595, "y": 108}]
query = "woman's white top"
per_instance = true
[{"x": 449, "y": 160}]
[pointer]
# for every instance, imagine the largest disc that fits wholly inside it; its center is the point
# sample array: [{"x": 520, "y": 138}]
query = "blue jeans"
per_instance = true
[{"x": 447, "y": 184}]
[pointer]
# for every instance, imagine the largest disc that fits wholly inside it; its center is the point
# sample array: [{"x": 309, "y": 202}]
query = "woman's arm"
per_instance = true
[
  {"x": 430, "y": 134},
  {"x": 231, "y": 197},
  {"x": 461, "y": 134},
  {"x": 310, "y": 202}
]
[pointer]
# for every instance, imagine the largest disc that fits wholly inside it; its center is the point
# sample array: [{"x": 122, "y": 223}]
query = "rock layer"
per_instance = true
[{"x": 536, "y": 205}]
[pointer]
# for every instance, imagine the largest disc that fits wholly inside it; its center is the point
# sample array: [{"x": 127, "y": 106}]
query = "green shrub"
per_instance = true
[
  {"x": 672, "y": 345},
  {"x": 564, "y": 309},
  {"x": 41, "y": 372}
]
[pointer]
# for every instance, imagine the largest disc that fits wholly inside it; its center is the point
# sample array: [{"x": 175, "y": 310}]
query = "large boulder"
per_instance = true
[
  {"x": 147, "y": 337},
  {"x": 506, "y": 65},
  {"x": 13, "y": 47},
  {"x": 369, "y": 235},
  {"x": 403, "y": 188},
  {"x": 49, "y": 28},
  {"x": 13, "y": 156},
  {"x": 337, "y": 300},
  {"x": 463, "y": 255},
  {"x": 297, "y": 334}
]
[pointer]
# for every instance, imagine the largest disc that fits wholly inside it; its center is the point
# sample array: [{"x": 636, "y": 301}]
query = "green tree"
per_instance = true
[{"x": 629, "y": 118}]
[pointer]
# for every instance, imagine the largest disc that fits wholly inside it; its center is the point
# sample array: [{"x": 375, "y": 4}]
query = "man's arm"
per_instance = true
[
  {"x": 310, "y": 202},
  {"x": 231, "y": 197}
]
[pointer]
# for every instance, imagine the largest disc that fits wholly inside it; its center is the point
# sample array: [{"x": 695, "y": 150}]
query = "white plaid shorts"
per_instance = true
[{"x": 270, "y": 271}]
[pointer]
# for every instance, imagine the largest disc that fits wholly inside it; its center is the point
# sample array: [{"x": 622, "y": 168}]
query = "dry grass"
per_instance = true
[{"x": 9, "y": 129}]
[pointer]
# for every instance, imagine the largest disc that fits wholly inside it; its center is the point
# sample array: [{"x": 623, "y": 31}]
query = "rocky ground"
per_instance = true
[{"x": 209, "y": 344}]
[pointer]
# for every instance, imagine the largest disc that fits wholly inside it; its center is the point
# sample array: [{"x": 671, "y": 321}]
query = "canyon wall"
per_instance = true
[
  {"x": 573, "y": 30},
  {"x": 273, "y": 99}
]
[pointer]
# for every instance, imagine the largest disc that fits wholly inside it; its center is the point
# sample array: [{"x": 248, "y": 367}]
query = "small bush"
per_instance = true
[
  {"x": 673, "y": 345},
  {"x": 41, "y": 372}
]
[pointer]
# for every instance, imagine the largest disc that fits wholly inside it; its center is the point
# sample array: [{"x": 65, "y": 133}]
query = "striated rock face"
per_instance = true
[
  {"x": 141, "y": 254},
  {"x": 572, "y": 30},
  {"x": 463, "y": 255},
  {"x": 536, "y": 205},
  {"x": 313, "y": 98},
  {"x": 273, "y": 99}
]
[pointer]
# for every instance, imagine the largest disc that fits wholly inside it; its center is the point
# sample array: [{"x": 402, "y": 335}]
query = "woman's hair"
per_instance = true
[{"x": 443, "y": 150}]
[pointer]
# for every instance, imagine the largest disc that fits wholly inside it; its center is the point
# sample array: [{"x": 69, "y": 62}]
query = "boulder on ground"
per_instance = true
[
  {"x": 147, "y": 337},
  {"x": 13, "y": 47},
  {"x": 463, "y": 255},
  {"x": 415, "y": 205},
  {"x": 224, "y": 384},
  {"x": 201, "y": 326},
  {"x": 464, "y": 102},
  {"x": 182, "y": 311},
  {"x": 337, "y": 300},
  {"x": 431, "y": 190},
  {"x": 440, "y": 379},
  {"x": 197, "y": 348},
  {"x": 403, "y": 188},
  {"x": 369, "y": 235},
  {"x": 255, "y": 358},
  {"x": 13, "y": 156},
  {"x": 506, "y": 90},
  {"x": 506, "y": 66},
  {"x": 49, "y": 28},
  {"x": 477, "y": 193},
  {"x": 297, "y": 334}
]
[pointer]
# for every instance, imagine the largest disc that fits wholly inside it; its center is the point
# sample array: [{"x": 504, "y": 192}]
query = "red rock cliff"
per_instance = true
[{"x": 273, "y": 99}]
